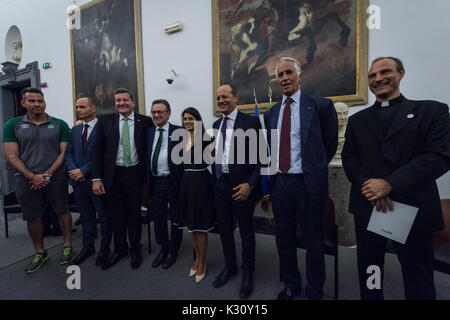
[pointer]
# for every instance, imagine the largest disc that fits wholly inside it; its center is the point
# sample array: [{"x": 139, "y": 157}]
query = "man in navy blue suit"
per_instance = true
[
  {"x": 307, "y": 141},
  {"x": 236, "y": 186},
  {"x": 163, "y": 180},
  {"x": 78, "y": 163}
]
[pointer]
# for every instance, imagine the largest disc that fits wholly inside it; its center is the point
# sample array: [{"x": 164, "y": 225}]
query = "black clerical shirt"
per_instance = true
[{"x": 387, "y": 113}]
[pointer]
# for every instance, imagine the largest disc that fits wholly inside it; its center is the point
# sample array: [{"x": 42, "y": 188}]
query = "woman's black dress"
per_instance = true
[{"x": 196, "y": 210}]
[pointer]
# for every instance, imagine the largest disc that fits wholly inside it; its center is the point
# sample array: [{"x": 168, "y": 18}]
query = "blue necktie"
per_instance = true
[{"x": 222, "y": 140}]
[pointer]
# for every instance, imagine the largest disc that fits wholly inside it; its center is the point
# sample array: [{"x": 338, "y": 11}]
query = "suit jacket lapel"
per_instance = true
[
  {"x": 151, "y": 138},
  {"x": 116, "y": 133},
  {"x": 237, "y": 121},
  {"x": 91, "y": 136},
  {"x": 77, "y": 134},
  {"x": 273, "y": 121},
  {"x": 170, "y": 143},
  {"x": 137, "y": 128},
  {"x": 404, "y": 116},
  {"x": 305, "y": 118}
]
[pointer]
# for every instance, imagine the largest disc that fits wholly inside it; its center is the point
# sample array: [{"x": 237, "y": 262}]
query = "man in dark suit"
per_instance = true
[
  {"x": 395, "y": 150},
  {"x": 236, "y": 187},
  {"x": 307, "y": 132},
  {"x": 118, "y": 172},
  {"x": 163, "y": 180},
  {"x": 79, "y": 162}
]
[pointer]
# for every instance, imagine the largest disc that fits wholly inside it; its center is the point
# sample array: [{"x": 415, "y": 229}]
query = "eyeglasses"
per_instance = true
[{"x": 157, "y": 112}]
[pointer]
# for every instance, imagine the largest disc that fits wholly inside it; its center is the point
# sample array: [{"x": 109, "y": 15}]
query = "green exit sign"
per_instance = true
[{"x": 47, "y": 65}]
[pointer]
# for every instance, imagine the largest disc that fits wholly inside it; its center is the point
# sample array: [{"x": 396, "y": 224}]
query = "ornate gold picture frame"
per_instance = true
[
  {"x": 329, "y": 38},
  {"x": 107, "y": 53}
]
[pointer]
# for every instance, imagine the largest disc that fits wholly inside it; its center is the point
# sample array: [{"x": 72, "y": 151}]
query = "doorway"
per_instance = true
[{"x": 11, "y": 83}]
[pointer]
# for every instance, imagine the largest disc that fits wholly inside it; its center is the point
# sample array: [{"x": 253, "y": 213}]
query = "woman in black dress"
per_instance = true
[{"x": 196, "y": 192}]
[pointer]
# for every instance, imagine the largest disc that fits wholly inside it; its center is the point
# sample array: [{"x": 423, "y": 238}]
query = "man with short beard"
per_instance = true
[
  {"x": 34, "y": 145},
  {"x": 79, "y": 166}
]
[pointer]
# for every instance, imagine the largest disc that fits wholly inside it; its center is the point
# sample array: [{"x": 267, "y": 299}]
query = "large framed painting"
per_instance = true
[
  {"x": 107, "y": 53},
  {"x": 328, "y": 37}
]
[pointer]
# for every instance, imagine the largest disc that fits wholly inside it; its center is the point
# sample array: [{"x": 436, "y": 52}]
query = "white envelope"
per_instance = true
[{"x": 395, "y": 224}]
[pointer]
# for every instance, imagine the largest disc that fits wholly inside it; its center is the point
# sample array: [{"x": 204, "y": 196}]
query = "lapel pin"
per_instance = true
[{"x": 410, "y": 116}]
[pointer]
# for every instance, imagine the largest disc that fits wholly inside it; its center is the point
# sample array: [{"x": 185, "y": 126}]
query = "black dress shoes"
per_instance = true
[
  {"x": 313, "y": 295},
  {"x": 170, "y": 260},
  {"x": 136, "y": 260},
  {"x": 289, "y": 294},
  {"x": 112, "y": 261},
  {"x": 223, "y": 277},
  {"x": 102, "y": 257},
  {"x": 159, "y": 259},
  {"x": 246, "y": 286},
  {"x": 83, "y": 255}
]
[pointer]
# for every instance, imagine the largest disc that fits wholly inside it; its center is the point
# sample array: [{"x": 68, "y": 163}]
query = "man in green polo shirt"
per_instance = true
[{"x": 34, "y": 145}]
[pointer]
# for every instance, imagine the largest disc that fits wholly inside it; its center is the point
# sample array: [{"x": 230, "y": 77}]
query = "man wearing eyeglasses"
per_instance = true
[
  {"x": 163, "y": 177},
  {"x": 118, "y": 174}
]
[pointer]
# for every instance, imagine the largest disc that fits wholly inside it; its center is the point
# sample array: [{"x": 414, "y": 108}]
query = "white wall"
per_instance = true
[
  {"x": 416, "y": 31},
  {"x": 187, "y": 52}
]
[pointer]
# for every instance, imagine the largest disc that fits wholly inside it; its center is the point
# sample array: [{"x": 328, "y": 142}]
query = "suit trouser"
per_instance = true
[
  {"x": 415, "y": 257},
  {"x": 226, "y": 210},
  {"x": 163, "y": 196},
  {"x": 124, "y": 206},
  {"x": 293, "y": 207},
  {"x": 89, "y": 204}
]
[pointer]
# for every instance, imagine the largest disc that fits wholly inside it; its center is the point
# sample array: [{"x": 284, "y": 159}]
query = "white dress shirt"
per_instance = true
[
  {"x": 229, "y": 135},
  {"x": 134, "y": 155},
  {"x": 163, "y": 158}
]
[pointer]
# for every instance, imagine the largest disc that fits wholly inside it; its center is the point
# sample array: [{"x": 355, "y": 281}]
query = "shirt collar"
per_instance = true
[
  {"x": 131, "y": 116},
  {"x": 295, "y": 97},
  {"x": 164, "y": 127},
  {"x": 232, "y": 115},
  {"x": 26, "y": 119},
  {"x": 389, "y": 103},
  {"x": 91, "y": 123}
]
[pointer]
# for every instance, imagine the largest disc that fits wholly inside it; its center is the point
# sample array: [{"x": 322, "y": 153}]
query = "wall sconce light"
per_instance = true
[{"x": 173, "y": 27}]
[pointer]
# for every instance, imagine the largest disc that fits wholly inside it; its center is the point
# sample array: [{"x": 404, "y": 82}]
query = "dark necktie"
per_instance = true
[
  {"x": 222, "y": 140},
  {"x": 285, "y": 138},
  {"x": 84, "y": 136},
  {"x": 156, "y": 152}
]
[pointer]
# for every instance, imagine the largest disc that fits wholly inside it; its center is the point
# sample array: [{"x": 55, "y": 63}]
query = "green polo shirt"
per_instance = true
[{"x": 39, "y": 145}]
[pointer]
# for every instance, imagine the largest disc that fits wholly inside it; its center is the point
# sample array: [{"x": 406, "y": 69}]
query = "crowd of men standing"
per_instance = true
[{"x": 108, "y": 160}]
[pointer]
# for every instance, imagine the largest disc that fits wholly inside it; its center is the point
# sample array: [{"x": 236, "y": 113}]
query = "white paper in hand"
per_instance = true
[{"x": 395, "y": 224}]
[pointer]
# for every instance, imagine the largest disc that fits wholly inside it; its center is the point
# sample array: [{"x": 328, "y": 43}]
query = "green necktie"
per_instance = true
[
  {"x": 126, "y": 143},
  {"x": 156, "y": 153}
]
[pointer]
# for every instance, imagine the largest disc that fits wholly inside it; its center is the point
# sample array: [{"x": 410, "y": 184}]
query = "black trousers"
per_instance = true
[
  {"x": 163, "y": 199},
  {"x": 227, "y": 210},
  {"x": 415, "y": 257},
  {"x": 293, "y": 207},
  {"x": 124, "y": 206}
]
